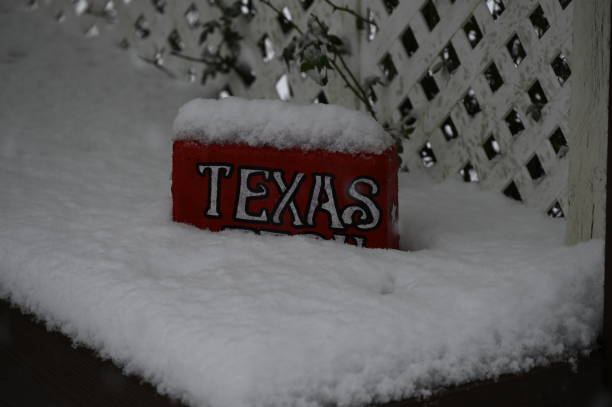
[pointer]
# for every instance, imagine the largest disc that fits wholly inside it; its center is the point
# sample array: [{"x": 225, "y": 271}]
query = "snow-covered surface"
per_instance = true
[
  {"x": 283, "y": 125},
  {"x": 226, "y": 319}
]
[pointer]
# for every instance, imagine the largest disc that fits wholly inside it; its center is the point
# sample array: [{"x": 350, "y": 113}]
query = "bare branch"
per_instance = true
[
  {"x": 280, "y": 13},
  {"x": 158, "y": 66},
  {"x": 350, "y": 11}
]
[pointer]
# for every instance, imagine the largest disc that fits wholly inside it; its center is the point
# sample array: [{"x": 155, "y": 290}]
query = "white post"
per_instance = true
[{"x": 590, "y": 64}]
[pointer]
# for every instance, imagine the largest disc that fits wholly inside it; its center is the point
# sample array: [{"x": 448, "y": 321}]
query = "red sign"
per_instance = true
[{"x": 346, "y": 197}]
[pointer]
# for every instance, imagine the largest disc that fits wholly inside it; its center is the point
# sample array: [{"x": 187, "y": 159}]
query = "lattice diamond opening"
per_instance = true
[
  {"x": 430, "y": 14},
  {"x": 539, "y": 21},
  {"x": 409, "y": 42},
  {"x": 561, "y": 68},
  {"x": 450, "y": 58},
  {"x": 225, "y": 92},
  {"x": 191, "y": 74},
  {"x": 555, "y": 211},
  {"x": 429, "y": 85},
  {"x": 142, "y": 27},
  {"x": 159, "y": 5},
  {"x": 535, "y": 169},
  {"x": 248, "y": 8},
  {"x": 387, "y": 67},
  {"x": 493, "y": 77},
  {"x": 245, "y": 73},
  {"x": 390, "y": 5},
  {"x": 372, "y": 27},
  {"x": 472, "y": 107},
  {"x": 192, "y": 16},
  {"x": 428, "y": 158},
  {"x": 306, "y": 4},
  {"x": 283, "y": 89},
  {"x": 536, "y": 94},
  {"x": 109, "y": 11},
  {"x": 491, "y": 148},
  {"x": 512, "y": 191},
  {"x": 468, "y": 173},
  {"x": 449, "y": 130},
  {"x": 516, "y": 50},
  {"x": 60, "y": 17},
  {"x": 496, "y": 8},
  {"x": 321, "y": 98},
  {"x": 371, "y": 95},
  {"x": 266, "y": 48},
  {"x": 405, "y": 108},
  {"x": 175, "y": 41},
  {"x": 81, "y": 7},
  {"x": 558, "y": 143},
  {"x": 472, "y": 32},
  {"x": 514, "y": 122},
  {"x": 284, "y": 20}
]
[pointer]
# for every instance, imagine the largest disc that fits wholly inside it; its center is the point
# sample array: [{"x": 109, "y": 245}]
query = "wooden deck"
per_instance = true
[{"x": 41, "y": 368}]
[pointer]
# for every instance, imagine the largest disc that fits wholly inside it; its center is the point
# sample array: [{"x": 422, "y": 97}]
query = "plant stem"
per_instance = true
[
  {"x": 355, "y": 86},
  {"x": 190, "y": 58},
  {"x": 348, "y": 84},
  {"x": 280, "y": 13},
  {"x": 351, "y": 82},
  {"x": 160, "y": 67},
  {"x": 350, "y": 11}
]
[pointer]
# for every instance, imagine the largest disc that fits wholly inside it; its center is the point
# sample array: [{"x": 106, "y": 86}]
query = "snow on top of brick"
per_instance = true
[{"x": 280, "y": 124}]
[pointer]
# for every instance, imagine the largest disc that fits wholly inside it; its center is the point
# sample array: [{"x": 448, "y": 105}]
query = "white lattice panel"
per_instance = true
[
  {"x": 482, "y": 58},
  {"x": 148, "y": 30},
  {"x": 480, "y": 143}
]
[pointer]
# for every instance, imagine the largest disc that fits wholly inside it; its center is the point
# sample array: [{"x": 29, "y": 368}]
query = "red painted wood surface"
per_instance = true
[{"x": 347, "y": 197}]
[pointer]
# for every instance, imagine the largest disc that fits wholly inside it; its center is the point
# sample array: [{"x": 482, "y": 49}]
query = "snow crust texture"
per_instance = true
[
  {"x": 282, "y": 125},
  {"x": 228, "y": 319}
]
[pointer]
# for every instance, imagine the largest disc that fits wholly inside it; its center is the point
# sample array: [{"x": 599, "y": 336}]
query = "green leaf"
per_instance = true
[
  {"x": 408, "y": 131},
  {"x": 323, "y": 62},
  {"x": 306, "y": 66},
  {"x": 334, "y": 39},
  {"x": 437, "y": 66}
]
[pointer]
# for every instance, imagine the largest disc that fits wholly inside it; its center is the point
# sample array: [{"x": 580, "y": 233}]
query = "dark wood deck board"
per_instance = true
[
  {"x": 41, "y": 368},
  {"x": 46, "y": 369}
]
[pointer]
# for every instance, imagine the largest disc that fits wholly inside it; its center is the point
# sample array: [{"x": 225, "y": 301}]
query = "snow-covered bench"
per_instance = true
[{"x": 488, "y": 288}]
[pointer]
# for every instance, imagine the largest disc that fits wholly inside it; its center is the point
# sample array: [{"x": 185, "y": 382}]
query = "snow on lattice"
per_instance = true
[{"x": 486, "y": 79}]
